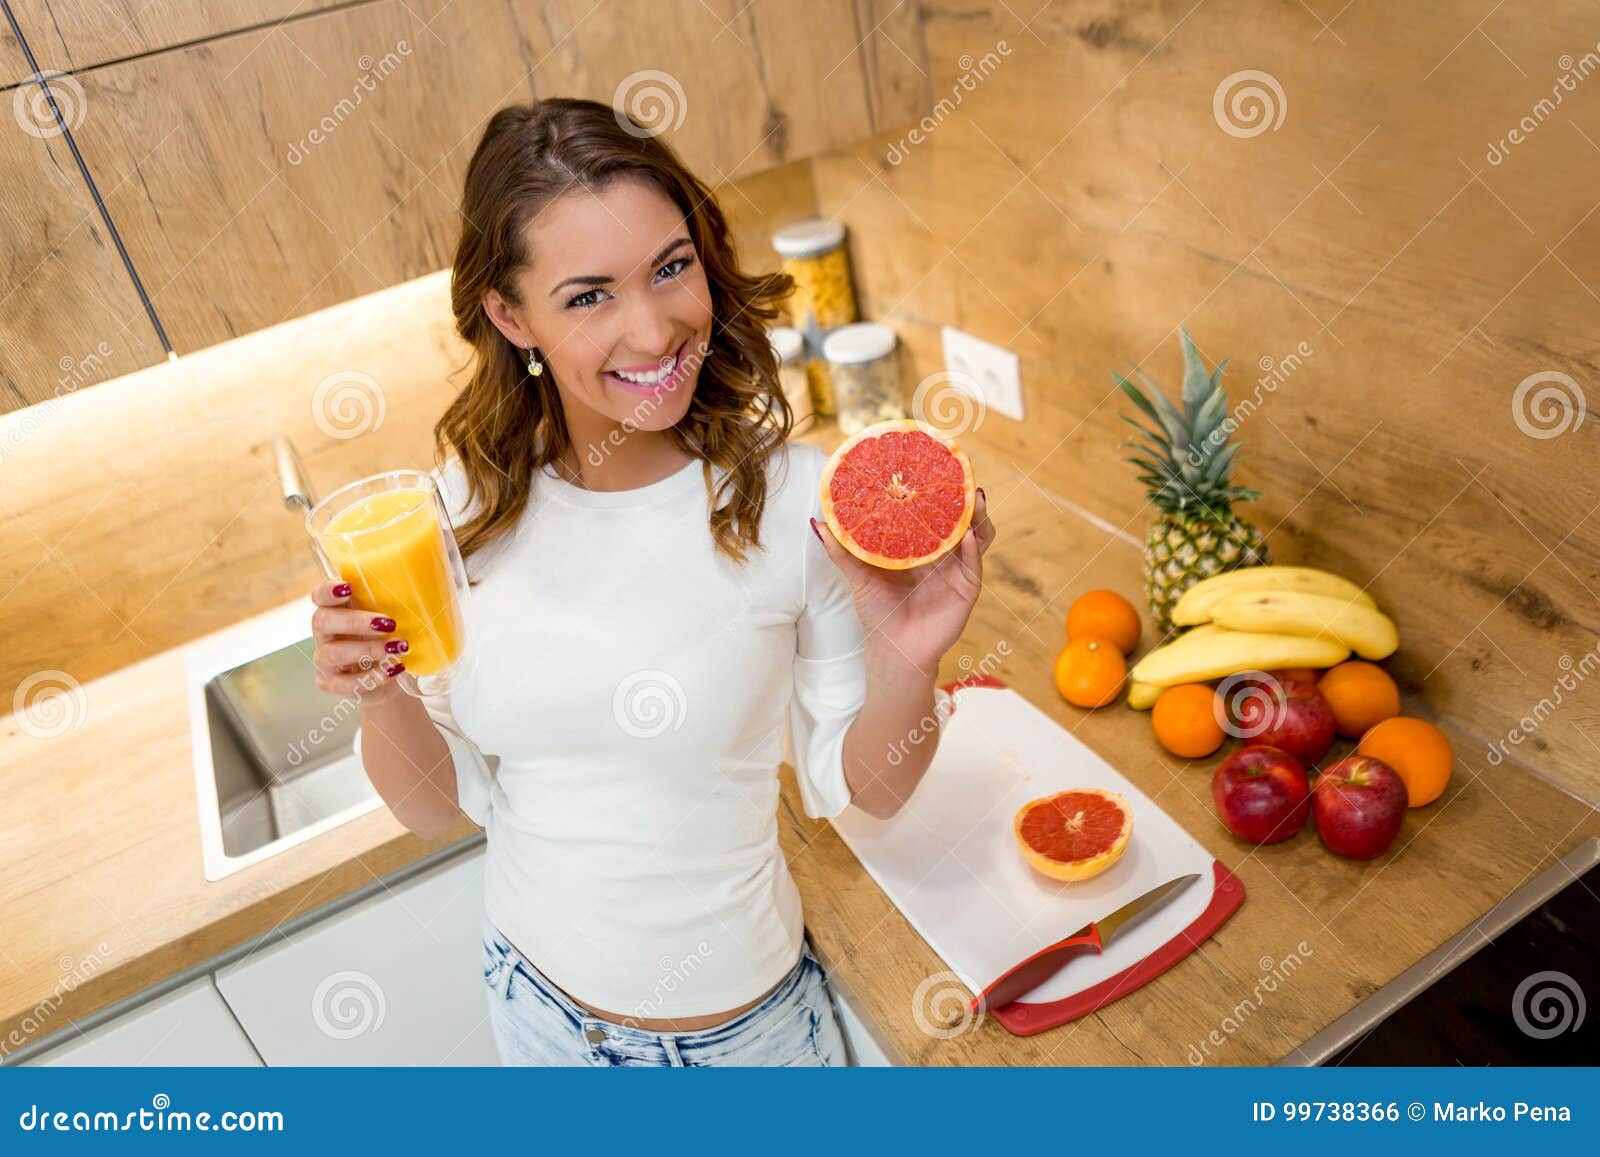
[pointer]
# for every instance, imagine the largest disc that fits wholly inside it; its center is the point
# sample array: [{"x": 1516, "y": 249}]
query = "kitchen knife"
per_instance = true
[{"x": 1092, "y": 937}]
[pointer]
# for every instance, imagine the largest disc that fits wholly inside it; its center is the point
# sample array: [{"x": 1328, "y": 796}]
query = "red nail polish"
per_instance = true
[
  {"x": 395, "y": 670},
  {"x": 395, "y": 646},
  {"x": 981, "y": 494},
  {"x": 342, "y": 591},
  {"x": 383, "y": 623},
  {"x": 814, "y": 529}
]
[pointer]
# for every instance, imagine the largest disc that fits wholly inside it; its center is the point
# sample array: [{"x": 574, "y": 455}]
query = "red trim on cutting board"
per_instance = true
[{"x": 1024, "y": 1019}]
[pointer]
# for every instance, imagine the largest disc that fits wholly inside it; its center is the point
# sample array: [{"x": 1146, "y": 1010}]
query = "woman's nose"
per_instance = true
[{"x": 650, "y": 331}]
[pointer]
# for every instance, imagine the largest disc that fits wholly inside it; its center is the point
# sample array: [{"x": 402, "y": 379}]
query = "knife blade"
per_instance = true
[{"x": 1092, "y": 937}]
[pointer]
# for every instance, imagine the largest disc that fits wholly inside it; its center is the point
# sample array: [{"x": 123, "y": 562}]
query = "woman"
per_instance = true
[{"x": 655, "y": 605}]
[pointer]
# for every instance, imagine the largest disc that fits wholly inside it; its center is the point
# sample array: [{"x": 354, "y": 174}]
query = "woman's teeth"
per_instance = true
[{"x": 655, "y": 378}]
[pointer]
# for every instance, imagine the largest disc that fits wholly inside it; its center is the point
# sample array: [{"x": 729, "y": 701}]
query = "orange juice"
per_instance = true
[{"x": 390, "y": 548}]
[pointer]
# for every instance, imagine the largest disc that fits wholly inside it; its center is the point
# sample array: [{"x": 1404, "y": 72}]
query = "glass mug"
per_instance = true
[{"x": 389, "y": 536}]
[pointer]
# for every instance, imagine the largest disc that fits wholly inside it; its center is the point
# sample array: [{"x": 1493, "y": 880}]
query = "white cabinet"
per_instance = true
[
  {"x": 395, "y": 980},
  {"x": 188, "y": 1026},
  {"x": 858, "y": 1040}
]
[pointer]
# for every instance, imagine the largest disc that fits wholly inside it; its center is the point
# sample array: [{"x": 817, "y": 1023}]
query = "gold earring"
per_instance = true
[{"x": 535, "y": 366}]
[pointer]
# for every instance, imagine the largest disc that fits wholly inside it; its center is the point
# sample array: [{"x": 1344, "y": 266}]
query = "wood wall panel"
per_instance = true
[
  {"x": 66, "y": 35},
  {"x": 761, "y": 83},
  {"x": 237, "y": 218},
  {"x": 1084, "y": 201},
  {"x": 13, "y": 61},
  {"x": 69, "y": 315}
]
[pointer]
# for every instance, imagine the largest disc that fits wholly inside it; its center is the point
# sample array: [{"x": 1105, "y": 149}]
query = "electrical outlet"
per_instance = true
[{"x": 992, "y": 371}]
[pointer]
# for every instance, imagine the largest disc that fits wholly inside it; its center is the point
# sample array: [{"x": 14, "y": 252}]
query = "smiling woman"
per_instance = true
[
  {"x": 656, "y": 621},
  {"x": 597, "y": 284}
]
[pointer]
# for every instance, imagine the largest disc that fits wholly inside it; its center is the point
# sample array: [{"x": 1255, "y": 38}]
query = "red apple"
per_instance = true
[
  {"x": 1287, "y": 675},
  {"x": 1360, "y": 804},
  {"x": 1262, "y": 794},
  {"x": 1290, "y": 715}
]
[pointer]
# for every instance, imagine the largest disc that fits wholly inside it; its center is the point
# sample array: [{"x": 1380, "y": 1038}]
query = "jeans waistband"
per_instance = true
[{"x": 629, "y": 1034}]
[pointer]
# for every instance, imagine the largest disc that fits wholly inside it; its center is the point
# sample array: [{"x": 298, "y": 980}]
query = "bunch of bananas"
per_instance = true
[{"x": 1260, "y": 618}]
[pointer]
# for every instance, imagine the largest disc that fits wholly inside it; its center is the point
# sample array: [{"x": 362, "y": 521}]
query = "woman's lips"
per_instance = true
[{"x": 678, "y": 372}]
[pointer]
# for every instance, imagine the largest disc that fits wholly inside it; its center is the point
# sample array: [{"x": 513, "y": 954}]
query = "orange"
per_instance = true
[
  {"x": 1417, "y": 750},
  {"x": 1104, "y": 615},
  {"x": 898, "y": 494},
  {"x": 1362, "y": 695},
  {"x": 1074, "y": 834},
  {"x": 1090, "y": 672},
  {"x": 1185, "y": 719}
]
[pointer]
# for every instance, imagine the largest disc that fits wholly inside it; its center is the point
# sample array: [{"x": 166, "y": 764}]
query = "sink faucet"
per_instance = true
[{"x": 292, "y": 474}]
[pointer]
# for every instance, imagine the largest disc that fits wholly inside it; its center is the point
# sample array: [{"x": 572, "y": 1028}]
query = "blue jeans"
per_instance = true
[{"x": 535, "y": 1023}]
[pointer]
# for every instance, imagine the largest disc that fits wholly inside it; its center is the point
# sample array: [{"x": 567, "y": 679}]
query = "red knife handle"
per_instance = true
[{"x": 1036, "y": 969}]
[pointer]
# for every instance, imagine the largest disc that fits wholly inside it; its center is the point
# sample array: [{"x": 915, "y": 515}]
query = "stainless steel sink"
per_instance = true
[{"x": 273, "y": 760}]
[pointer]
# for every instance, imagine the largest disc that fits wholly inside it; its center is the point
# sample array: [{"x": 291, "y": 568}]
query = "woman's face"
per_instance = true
[{"x": 616, "y": 301}]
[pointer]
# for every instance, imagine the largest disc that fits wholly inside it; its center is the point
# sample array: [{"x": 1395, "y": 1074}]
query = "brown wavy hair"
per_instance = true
[{"x": 506, "y": 424}]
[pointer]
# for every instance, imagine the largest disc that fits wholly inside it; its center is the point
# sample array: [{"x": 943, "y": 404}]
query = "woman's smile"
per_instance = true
[{"x": 649, "y": 380}]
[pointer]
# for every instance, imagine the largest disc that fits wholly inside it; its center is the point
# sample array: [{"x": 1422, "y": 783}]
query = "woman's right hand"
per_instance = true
[{"x": 356, "y": 655}]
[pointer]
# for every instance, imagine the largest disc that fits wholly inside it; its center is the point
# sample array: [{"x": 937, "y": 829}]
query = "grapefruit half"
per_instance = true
[
  {"x": 898, "y": 494},
  {"x": 1074, "y": 834}
]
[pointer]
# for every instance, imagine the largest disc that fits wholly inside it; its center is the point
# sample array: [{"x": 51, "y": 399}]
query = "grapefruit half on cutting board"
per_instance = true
[
  {"x": 1075, "y": 834},
  {"x": 898, "y": 494}
]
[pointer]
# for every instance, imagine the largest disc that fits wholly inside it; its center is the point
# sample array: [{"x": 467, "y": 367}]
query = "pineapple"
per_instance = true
[{"x": 1185, "y": 459}]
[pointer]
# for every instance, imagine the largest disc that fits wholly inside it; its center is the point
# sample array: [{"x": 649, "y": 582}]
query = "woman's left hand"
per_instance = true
[{"x": 921, "y": 612}]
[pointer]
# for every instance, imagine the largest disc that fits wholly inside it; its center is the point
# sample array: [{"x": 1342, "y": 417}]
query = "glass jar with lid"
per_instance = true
[
  {"x": 865, "y": 374},
  {"x": 814, "y": 254},
  {"x": 790, "y": 346}
]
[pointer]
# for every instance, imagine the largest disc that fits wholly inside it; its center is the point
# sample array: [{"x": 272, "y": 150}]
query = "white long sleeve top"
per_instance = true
[{"x": 629, "y": 696}]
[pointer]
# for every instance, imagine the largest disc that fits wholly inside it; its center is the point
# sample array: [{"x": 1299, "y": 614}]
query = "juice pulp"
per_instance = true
[{"x": 395, "y": 561}]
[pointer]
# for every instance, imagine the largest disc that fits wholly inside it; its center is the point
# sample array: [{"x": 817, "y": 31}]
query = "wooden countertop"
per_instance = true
[{"x": 103, "y": 893}]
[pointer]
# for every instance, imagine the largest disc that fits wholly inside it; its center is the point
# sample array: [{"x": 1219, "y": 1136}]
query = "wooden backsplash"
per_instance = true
[{"x": 1082, "y": 199}]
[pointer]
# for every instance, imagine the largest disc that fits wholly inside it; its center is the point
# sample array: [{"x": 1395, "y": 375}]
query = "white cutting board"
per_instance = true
[{"x": 950, "y": 863}]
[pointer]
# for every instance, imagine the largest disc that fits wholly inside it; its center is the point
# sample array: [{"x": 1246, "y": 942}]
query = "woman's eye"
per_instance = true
[
  {"x": 588, "y": 300},
  {"x": 685, "y": 262}
]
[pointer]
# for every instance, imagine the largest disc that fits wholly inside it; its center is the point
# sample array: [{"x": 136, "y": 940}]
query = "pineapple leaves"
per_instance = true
[
  {"x": 1184, "y": 455},
  {"x": 1197, "y": 383},
  {"x": 1218, "y": 466},
  {"x": 1209, "y": 416},
  {"x": 1138, "y": 399}
]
